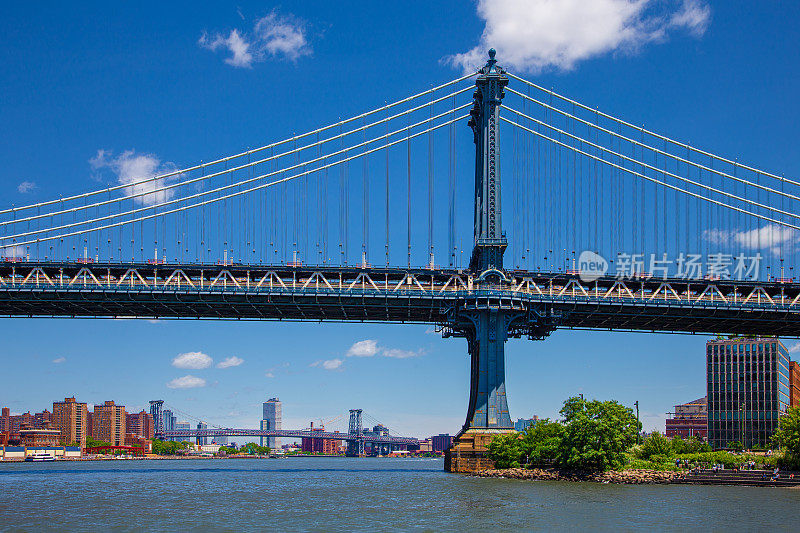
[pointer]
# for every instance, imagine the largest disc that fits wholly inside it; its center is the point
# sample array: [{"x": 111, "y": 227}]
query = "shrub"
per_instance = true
[
  {"x": 505, "y": 450},
  {"x": 656, "y": 444},
  {"x": 541, "y": 442}
]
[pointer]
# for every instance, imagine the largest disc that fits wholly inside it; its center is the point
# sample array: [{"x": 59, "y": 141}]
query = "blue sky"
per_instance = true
[{"x": 187, "y": 83}]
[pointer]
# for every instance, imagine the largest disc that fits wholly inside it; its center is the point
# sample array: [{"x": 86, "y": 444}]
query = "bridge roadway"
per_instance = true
[
  {"x": 544, "y": 300},
  {"x": 301, "y": 433}
]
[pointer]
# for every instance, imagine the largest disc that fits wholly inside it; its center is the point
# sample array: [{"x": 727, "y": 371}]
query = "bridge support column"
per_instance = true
[{"x": 486, "y": 332}]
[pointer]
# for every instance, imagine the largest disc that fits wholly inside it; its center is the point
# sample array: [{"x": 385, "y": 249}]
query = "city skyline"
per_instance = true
[{"x": 408, "y": 376}]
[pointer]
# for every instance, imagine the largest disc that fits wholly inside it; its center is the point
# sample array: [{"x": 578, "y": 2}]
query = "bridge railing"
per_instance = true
[{"x": 533, "y": 286}]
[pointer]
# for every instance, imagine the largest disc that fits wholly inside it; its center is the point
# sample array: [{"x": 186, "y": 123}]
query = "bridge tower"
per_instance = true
[
  {"x": 355, "y": 446},
  {"x": 484, "y": 321}
]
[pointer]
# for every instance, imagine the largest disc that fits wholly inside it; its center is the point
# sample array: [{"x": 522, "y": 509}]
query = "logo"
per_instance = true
[{"x": 591, "y": 266}]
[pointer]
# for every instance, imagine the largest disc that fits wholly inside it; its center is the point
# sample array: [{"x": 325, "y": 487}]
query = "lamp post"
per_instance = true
[{"x": 636, "y": 404}]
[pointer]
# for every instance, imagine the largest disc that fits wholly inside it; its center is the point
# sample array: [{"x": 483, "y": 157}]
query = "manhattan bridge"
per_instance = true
[{"x": 608, "y": 226}]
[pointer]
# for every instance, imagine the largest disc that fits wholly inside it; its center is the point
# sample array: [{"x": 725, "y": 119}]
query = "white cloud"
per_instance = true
[
  {"x": 794, "y": 348},
  {"x": 269, "y": 375},
  {"x": 770, "y": 237},
  {"x": 26, "y": 187},
  {"x": 401, "y": 354},
  {"x": 59, "y": 360},
  {"x": 186, "y": 382},
  {"x": 132, "y": 169},
  {"x": 228, "y": 362},
  {"x": 370, "y": 348},
  {"x": 532, "y": 35},
  {"x": 365, "y": 348},
  {"x": 193, "y": 360},
  {"x": 272, "y": 36},
  {"x": 329, "y": 364}
]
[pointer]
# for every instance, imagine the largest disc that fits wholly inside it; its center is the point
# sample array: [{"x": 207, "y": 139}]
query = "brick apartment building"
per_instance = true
[
  {"x": 140, "y": 424},
  {"x": 108, "y": 423},
  {"x": 70, "y": 418}
]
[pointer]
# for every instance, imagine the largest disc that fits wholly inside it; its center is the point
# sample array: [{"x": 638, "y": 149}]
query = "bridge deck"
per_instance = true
[{"x": 317, "y": 293}]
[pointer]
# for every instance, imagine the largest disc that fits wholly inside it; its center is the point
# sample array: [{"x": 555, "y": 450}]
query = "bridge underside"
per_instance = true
[{"x": 545, "y": 300}]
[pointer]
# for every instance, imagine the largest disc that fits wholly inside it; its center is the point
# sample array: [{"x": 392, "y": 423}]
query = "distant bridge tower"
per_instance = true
[
  {"x": 485, "y": 322},
  {"x": 355, "y": 447},
  {"x": 158, "y": 418}
]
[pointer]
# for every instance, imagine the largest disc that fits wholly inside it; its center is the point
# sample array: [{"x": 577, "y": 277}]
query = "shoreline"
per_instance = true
[
  {"x": 644, "y": 477},
  {"x": 628, "y": 477}
]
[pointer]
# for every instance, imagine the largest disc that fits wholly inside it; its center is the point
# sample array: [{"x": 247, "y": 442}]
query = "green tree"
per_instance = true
[
  {"x": 541, "y": 442},
  {"x": 787, "y": 438},
  {"x": 656, "y": 444},
  {"x": 251, "y": 448},
  {"x": 596, "y": 434},
  {"x": 168, "y": 447},
  {"x": 505, "y": 450},
  {"x": 93, "y": 443},
  {"x": 735, "y": 446}
]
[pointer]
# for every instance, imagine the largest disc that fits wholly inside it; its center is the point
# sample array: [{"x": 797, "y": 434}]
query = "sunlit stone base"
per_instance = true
[{"x": 468, "y": 452}]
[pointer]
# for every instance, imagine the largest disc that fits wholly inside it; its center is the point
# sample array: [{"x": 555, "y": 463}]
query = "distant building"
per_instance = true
[
  {"x": 794, "y": 384},
  {"x": 45, "y": 436},
  {"x": 169, "y": 420},
  {"x": 180, "y": 426},
  {"x": 222, "y": 441},
  {"x": 689, "y": 420},
  {"x": 524, "y": 423},
  {"x": 441, "y": 442},
  {"x": 138, "y": 441},
  {"x": 313, "y": 445},
  {"x": 202, "y": 441},
  {"x": 271, "y": 420},
  {"x": 108, "y": 423},
  {"x": 141, "y": 424},
  {"x": 425, "y": 445},
  {"x": 71, "y": 418},
  {"x": 748, "y": 390}
]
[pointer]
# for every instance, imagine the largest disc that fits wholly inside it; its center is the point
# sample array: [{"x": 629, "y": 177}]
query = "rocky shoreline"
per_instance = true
[{"x": 631, "y": 477}]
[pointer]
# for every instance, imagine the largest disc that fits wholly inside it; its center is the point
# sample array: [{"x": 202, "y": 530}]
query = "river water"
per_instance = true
[{"x": 341, "y": 494}]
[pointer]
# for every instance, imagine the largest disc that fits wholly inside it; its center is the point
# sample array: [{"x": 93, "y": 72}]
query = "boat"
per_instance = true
[{"x": 40, "y": 456}]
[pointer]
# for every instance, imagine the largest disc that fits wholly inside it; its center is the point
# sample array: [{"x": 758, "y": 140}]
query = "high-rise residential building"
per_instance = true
[
  {"x": 794, "y": 384},
  {"x": 441, "y": 442},
  {"x": 689, "y": 420},
  {"x": 524, "y": 423},
  {"x": 108, "y": 423},
  {"x": 748, "y": 389},
  {"x": 140, "y": 424},
  {"x": 170, "y": 420},
  {"x": 202, "y": 441},
  {"x": 70, "y": 418},
  {"x": 270, "y": 420}
]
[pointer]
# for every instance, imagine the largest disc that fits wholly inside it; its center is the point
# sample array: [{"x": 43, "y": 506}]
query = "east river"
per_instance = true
[{"x": 340, "y": 494}]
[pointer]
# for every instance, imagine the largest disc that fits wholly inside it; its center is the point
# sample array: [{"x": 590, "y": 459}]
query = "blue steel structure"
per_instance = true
[{"x": 484, "y": 324}]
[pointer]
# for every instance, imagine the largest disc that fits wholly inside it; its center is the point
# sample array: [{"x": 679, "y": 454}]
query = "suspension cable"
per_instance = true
[
  {"x": 226, "y": 171},
  {"x": 652, "y": 133},
  {"x": 653, "y": 149},
  {"x": 234, "y": 194},
  {"x": 651, "y": 179},
  {"x": 224, "y": 187},
  {"x": 248, "y": 152},
  {"x": 656, "y": 169}
]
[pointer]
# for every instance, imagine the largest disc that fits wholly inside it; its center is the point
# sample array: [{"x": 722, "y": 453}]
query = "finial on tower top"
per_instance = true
[{"x": 491, "y": 65}]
